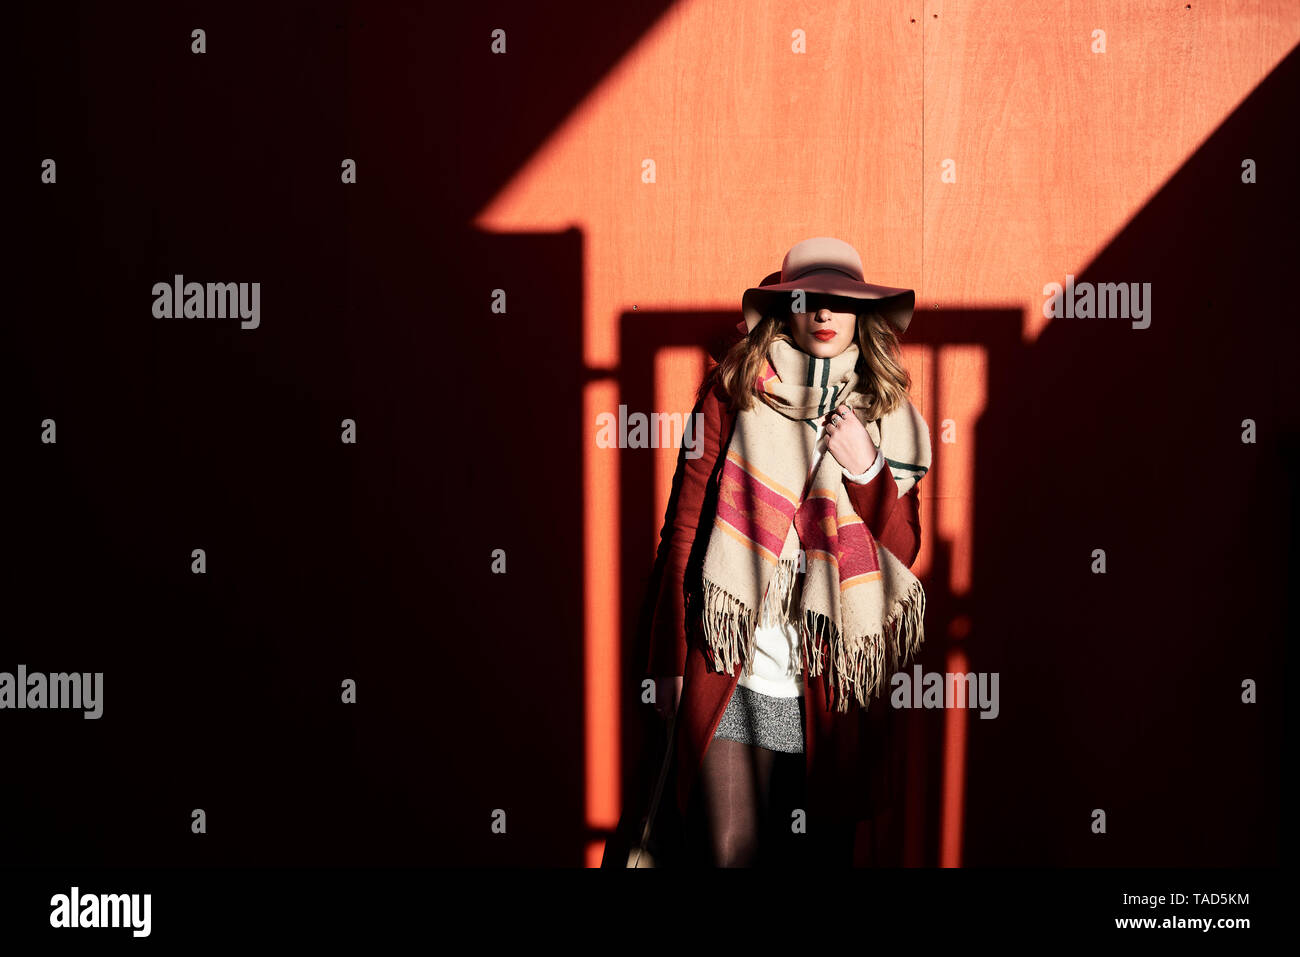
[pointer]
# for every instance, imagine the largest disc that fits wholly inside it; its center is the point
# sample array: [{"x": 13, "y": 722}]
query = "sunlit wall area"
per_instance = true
[{"x": 973, "y": 152}]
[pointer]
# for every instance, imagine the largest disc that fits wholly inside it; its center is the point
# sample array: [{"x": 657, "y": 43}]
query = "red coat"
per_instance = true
[{"x": 848, "y": 772}]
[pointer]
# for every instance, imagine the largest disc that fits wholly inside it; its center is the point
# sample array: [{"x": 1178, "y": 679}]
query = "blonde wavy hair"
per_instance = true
[{"x": 880, "y": 372}]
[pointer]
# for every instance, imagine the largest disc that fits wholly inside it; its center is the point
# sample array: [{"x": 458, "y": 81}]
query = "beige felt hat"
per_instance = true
[{"x": 823, "y": 266}]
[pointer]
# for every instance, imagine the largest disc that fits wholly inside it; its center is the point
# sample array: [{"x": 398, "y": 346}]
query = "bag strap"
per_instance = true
[{"x": 663, "y": 775}]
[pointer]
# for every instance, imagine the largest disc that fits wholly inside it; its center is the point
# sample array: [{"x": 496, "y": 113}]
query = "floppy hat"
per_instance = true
[{"x": 825, "y": 267}]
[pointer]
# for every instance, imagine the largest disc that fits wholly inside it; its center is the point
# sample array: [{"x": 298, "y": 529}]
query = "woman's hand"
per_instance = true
[
  {"x": 849, "y": 442},
  {"x": 668, "y": 694}
]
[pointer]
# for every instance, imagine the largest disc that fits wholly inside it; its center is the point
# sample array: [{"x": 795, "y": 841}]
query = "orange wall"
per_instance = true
[{"x": 1054, "y": 148}]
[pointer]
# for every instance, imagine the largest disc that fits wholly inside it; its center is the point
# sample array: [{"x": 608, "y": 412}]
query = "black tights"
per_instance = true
[{"x": 743, "y": 811}]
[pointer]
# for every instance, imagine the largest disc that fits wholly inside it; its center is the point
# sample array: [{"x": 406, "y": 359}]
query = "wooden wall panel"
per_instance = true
[{"x": 1055, "y": 147}]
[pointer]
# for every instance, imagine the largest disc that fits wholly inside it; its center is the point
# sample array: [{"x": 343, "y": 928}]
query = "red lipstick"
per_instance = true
[{"x": 825, "y": 335}]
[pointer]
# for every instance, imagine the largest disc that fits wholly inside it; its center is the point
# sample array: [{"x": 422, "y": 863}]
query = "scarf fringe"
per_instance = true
[
  {"x": 779, "y": 600},
  {"x": 728, "y": 626},
  {"x": 858, "y": 665}
]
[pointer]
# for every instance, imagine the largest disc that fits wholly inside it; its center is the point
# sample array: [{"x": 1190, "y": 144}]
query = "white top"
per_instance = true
[{"x": 776, "y": 647}]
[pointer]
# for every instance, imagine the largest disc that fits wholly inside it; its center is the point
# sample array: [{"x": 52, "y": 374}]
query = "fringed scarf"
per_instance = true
[{"x": 858, "y": 609}]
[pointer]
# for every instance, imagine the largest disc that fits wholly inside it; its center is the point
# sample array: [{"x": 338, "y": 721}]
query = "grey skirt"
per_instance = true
[{"x": 762, "y": 720}]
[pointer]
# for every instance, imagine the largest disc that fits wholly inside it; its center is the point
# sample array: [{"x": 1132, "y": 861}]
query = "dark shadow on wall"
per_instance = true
[
  {"x": 1122, "y": 692},
  {"x": 373, "y": 561},
  {"x": 326, "y": 562}
]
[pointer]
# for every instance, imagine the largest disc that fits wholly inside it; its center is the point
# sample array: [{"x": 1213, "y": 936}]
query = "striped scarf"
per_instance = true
[{"x": 856, "y": 605}]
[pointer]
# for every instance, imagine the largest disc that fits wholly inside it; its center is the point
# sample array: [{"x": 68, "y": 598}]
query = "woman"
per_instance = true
[{"x": 785, "y": 558}]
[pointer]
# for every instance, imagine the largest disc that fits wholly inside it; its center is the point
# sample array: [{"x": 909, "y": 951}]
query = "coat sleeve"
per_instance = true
[
  {"x": 676, "y": 539},
  {"x": 894, "y": 521}
]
